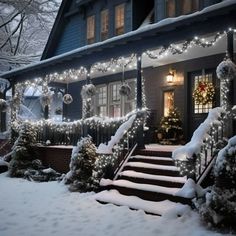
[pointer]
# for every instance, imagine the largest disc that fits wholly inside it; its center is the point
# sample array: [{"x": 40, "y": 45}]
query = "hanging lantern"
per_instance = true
[
  {"x": 67, "y": 99},
  {"x": 125, "y": 90},
  {"x": 45, "y": 100},
  {"x": 3, "y": 105}
]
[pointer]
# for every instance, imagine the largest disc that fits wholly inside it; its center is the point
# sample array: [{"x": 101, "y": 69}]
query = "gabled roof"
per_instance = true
[{"x": 166, "y": 31}]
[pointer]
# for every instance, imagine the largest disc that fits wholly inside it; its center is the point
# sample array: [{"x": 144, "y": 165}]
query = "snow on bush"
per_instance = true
[
  {"x": 199, "y": 135},
  {"x": 226, "y": 70},
  {"x": 83, "y": 158},
  {"x": 220, "y": 203},
  {"x": 24, "y": 162}
]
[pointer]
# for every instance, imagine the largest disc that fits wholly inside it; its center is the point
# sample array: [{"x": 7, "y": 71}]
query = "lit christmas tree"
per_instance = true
[{"x": 170, "y": 127}]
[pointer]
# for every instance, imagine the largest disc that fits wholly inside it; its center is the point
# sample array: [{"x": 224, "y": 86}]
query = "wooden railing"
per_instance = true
[{"x": 194, "y": 158}]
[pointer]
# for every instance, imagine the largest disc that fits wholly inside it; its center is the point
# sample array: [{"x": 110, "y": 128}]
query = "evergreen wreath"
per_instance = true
[
  {"x": 88, "y": 90},
  {"x": 204, "y": 93}
]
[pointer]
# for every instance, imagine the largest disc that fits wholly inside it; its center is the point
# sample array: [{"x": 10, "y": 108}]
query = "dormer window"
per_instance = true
[
  {"x": 91, "y": 29},
  {"x": 120, "y": 19},
  {"x": 104, "y": 24}
]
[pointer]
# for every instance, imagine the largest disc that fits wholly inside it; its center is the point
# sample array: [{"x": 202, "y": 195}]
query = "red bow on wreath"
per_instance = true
[{"x": 202, "y": 86}]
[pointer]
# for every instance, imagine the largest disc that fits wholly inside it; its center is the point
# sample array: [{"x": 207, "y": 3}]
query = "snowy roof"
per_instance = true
[{"x": 161, "y": 26}]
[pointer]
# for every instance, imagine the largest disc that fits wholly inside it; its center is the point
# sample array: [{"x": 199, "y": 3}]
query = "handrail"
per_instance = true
[{"x": 196, "y": 156}]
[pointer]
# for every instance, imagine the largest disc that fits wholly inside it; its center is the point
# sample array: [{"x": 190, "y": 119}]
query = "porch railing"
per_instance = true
[{"x": 194, "y": 158}]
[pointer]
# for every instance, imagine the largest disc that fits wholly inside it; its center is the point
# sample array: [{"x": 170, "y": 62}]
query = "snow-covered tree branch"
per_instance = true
[{"x": 24, "y": 28}]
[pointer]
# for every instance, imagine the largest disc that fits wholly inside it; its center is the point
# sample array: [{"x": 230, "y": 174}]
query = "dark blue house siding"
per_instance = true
[{"x": 73, "y": 33}]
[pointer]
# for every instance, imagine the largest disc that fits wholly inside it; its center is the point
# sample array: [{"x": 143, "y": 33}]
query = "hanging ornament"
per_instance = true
[
  {"x": 3, "y": 105},
  {"x": 67, "y": 99},
  {"x": 125, "y": 90},
  {"x": 88, "y": 90},
  {"x": 204, "y": 93},
  {"x": 226, "y": 70},
  {"x": 45, "y": 100}
]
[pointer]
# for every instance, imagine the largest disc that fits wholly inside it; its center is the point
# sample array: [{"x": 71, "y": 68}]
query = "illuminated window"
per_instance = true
[
  {"x": 104, "y": 24},
  {"x": 91, "y": 29},
  {"x": 170, "y": 8},
  {"x": 189, "y": 6},
  {"x": 168, "y": 101},
  {"x": 102, "y": 101},
  {"x": 120, "y": 19},
  {"x": 200, "y": 108},
  {"x": 109, "y": 101}
]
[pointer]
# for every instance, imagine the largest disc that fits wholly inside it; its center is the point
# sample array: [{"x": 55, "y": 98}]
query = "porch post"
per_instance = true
[
  {"x": 232, "y": 87},
  {"x": 140, "y": 138}
]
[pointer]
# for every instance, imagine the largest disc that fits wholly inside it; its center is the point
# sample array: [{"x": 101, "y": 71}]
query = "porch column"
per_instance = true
[
  {"x": 232, "y": 87},
  {"x": 140, "y": 134}
]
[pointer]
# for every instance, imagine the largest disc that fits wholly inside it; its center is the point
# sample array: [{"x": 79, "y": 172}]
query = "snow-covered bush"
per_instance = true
[
  {"x": 220, "y": 203},
  {"x": 82, "y": 162},
  {"x": 24, "y": 162}
]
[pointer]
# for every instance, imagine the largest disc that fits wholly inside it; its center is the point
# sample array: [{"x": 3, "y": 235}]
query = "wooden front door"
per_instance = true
[{"x": 198, "y": 112}]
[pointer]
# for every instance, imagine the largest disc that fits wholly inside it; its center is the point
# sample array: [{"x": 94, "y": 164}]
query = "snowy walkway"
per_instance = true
[{"x": 33, "y": 209}]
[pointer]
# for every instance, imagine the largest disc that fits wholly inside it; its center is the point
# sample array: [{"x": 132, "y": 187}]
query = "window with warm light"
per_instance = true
[
  {"x": 102, "y": 101},
  {"x": 168, "y": 101},
  {"x": 170, "y": 8},
  {"x": 120, "y": 19},
  {"x": 104, "y": 24},
  {"x": 91, "y": 29},
  {"x": 189, "y": 6},
  {"x": 200, "y": 108}
]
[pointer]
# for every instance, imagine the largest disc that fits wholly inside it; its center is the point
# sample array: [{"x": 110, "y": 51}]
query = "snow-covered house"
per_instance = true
[{"x": 165, "y": 49}]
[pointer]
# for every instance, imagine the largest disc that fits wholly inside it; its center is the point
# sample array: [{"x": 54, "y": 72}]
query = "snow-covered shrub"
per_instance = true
[
  {"x": 81, "y": 166},
  {"x": 104, "y": 168},
  {"x": 24, "y": 162},
  {"x": 220, "y": 203}
]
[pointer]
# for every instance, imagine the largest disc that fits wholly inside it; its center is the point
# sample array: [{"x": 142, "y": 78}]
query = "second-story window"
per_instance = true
[
  {"x": 91, "y": 29},
  {"x": 189, "y": 6},
  {"x": 170, "y": 8},
  {"x": 104, "y": 24},
  {"x": 120, "y": 19}
]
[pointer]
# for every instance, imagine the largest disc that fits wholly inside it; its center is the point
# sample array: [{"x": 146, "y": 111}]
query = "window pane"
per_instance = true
[
  {"x": 186, "y": 6},
  {"x": 168, "y": 102},
  {"x": 102, "y": 101},
  {"x": 115, "y": 110},
  {"x": 91, "y": 29},
  {"x": 115, "y": 94},
  {"x": 199, "y": 108},
  {"x": 104, "y": 24},
  {"x": 119, "y": 19},
  {"x": 170, "y": 8}
]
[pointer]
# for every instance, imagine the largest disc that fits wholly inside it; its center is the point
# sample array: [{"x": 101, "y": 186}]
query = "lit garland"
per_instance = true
[{"x": 204, "y": 93}]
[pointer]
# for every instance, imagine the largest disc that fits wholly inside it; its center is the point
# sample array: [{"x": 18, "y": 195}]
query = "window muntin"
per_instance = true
[
  {"x": 104, "y": 24},
  {"x": 120, "y": 19},
  {"x": 109, "y": 102},
  {"x": 91, "y": 29},
  {"x": 200, "y": 108},
  {"x": 168, "y": 97}
]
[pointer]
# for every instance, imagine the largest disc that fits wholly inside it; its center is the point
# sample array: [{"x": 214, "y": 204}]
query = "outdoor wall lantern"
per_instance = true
[{"x": 170, "y": 77}]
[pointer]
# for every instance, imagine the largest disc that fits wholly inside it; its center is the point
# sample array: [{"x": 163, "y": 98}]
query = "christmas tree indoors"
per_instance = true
[{"x": 170, "y": 130}]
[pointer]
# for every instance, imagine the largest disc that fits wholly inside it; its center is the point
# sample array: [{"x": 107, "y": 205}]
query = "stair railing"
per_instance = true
[{"x": 195, "y": 157}]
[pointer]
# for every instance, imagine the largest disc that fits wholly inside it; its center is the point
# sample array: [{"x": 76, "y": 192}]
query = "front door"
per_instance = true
[{"x": 198, "y": 111}]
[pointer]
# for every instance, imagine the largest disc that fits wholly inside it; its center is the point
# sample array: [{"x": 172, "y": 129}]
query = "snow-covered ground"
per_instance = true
[{"x": 30, "y": 209}]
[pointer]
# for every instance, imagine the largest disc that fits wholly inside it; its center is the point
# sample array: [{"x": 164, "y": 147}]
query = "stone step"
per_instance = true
[
  {"x": 139, "y": 177},
  {"x": 152, "y": 168},
  {"x": 152, "y": 160},
  {"x": 146, "y": 192}
]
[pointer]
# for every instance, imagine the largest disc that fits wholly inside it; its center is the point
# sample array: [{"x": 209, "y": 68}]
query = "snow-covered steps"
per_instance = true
[
  {"x": 152, "y": 159},
  {"x": 145, "y": 191},
  {"x": 148, "y": 177},
  {"x": 154, "y": 169},
  {"x": 161, "y": 180},
  {"x": 136, "y": 203}
]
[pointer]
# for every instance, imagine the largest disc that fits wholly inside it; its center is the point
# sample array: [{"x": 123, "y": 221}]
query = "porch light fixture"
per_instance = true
[{"x": 170, "y": 77}]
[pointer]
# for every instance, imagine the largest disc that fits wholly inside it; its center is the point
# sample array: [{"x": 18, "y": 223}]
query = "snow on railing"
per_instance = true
[{"x": 195, "y": 156}]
